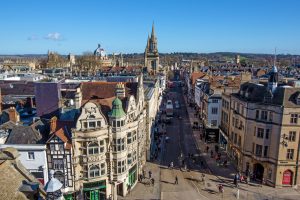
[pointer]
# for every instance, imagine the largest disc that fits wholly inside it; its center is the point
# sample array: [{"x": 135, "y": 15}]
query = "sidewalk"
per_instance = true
[
  {"x": 211, "y": 163},
  {"x": 145, "y": 191},
  {"x": 219, "y": 174}
]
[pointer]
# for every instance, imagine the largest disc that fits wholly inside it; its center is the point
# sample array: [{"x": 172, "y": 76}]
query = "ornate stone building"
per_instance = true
[
  {"x": 151, "y": 54},
  {"x": 263, "y": 133},
  {"x": 109, "y": 139}
]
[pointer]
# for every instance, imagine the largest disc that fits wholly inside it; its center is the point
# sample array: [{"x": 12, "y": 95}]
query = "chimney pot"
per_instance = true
[{"x": 53, "y": 124}]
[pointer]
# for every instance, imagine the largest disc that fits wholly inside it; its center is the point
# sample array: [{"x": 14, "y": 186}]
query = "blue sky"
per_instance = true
[{"x": 255, "y": 26}]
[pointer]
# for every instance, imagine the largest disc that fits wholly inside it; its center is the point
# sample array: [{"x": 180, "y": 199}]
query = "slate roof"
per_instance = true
[
  {"x": 24, "y": 135},
  {"x": 283, "y": 96},
  {"x": 17, "y": 88}
]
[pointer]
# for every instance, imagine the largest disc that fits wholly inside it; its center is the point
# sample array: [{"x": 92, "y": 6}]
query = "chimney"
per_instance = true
[
  {"x": 13, "y": 115},
  {"x": 120, "y": 90},
  {"x": 53, "y": 124}
]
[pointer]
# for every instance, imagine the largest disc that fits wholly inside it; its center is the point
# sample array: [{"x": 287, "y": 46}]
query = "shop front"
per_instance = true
[
  {"x": 95, "y": 190},
  {"x": 287, "y": 178},
  {"x": 211, "y": 135},
  {"x": 132, "y": 176}
]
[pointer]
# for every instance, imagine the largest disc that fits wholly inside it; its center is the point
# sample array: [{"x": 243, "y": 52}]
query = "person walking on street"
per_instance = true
[
  {"x": 171, "y": 165},
  {"x": 144, "y": 173},
  {"x": 150, "y": 174},
  {"x": 129, "y": 189},
  {"x": 176, "y": 180},
  {"x": 202, "y": 177}
]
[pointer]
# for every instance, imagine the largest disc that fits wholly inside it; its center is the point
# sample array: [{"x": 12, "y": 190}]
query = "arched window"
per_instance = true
[
  {"x": 94, "y": 171},
  {"x": 93, "y": 148}
]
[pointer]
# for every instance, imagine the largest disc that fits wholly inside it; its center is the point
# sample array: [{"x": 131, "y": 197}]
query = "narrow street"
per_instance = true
[
  {"x": 180, "y": 144},
  {"x": 183, "y": 140}
]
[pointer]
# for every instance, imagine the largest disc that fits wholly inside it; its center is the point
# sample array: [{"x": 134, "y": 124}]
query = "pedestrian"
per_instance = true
[
  {"x": 171, "y": 165},
  {"x": 201, "y": 164},
  {"x": 202, "y": 177},
  {"x": 248, "y": 179},
  {"x": 150, "y": 174},
  {"x": 216, "y": 148},
  {"x": 221, "y": 189},
  {"x": 242, "y": 179},
  {"x": 225, "y": 163},
  {"x": 176, "y": 180},
  {"x": 141, "y": 177},
  {"x": 144, "y": 173},
  {"x": 211, "y": 153},
  {"x": 129, "y": 189},
  {"x": 207, "y": 148}
]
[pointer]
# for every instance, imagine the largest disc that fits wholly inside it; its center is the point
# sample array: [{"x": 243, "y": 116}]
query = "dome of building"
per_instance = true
[
  {"x": 100, "y": 51},
  {"x": 117, "y": 109}
]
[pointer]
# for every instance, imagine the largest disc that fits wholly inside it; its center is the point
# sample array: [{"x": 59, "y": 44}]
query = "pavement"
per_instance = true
[{"x": 183, "y": 141}]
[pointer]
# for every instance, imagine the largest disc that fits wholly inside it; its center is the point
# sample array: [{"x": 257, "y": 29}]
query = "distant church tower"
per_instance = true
[{"x": 151, "y": 53}]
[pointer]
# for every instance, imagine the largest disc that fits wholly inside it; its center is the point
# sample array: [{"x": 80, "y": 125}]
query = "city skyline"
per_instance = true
[{"x": 201, "y": 27}]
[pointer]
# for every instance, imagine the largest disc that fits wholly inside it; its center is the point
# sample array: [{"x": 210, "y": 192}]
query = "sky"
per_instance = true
[{"x": 201, "y": 26}]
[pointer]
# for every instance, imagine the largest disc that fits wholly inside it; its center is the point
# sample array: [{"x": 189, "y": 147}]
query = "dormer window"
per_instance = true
[{"x": 298, "y": 100}]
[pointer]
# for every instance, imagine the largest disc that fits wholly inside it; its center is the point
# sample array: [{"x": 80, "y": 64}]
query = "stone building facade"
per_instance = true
[
  {"x": 263, "y": 135},
  {"x": 109, "y": 142}
]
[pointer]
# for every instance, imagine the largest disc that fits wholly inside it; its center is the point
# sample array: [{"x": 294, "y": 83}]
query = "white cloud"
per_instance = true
[
  {"x": 33, "y": 37},
  {"x": 54, "y": 36}
]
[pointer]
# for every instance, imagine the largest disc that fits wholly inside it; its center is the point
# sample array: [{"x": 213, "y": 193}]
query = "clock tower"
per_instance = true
[{"x": 151, "y": 54}]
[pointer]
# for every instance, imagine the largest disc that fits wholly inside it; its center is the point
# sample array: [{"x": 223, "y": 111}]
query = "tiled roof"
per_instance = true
[
  {"x": 196, "y": 75},
  {"x": 60, "y": 133},
  {"x": 103, "y": 90}
]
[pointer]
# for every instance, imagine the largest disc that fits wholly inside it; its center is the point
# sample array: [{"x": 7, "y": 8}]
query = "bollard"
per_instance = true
[{"x": 238, "y": 194}]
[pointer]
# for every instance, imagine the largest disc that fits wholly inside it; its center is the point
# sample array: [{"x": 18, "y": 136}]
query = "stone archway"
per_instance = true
[{"x": 287, "y": 177}]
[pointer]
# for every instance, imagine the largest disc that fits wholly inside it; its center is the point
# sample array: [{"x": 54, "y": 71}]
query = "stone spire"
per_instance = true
[
  {"x": 273, "y": 78},
  {"x": 153, "y": 32}
]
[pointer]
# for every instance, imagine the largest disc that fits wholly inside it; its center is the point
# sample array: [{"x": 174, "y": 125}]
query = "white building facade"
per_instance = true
[{"x": 33, "y": 157}]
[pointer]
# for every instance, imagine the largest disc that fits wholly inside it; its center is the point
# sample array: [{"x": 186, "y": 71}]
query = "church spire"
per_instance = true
[{"x": 153, "y": 32}]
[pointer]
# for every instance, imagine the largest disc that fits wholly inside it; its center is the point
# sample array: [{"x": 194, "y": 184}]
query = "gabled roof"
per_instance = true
[
  {"x": 61, "y": 134},
  {"x": 196, "y": 75}
]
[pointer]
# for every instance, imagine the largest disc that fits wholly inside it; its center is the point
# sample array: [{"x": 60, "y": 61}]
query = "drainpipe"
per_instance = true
[{"x": 297, "y": 162}]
